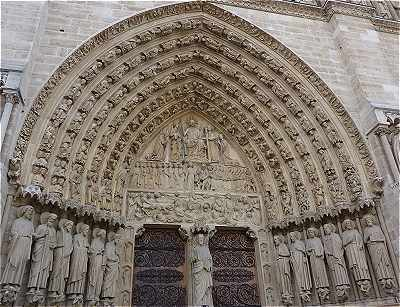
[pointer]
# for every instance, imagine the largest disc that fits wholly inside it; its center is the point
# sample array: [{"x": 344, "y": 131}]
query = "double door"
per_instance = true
[{"x": 162, "y": 271}]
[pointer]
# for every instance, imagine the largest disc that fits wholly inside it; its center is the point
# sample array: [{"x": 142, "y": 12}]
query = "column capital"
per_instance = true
[{"x": 12, "y": 97}]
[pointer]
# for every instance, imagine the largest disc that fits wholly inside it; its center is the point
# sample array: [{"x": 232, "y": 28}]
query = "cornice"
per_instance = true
[{"x": 317, "y": 12}]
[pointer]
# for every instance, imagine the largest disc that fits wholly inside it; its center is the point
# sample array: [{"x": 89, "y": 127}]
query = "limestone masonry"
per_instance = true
[{"x": 204, "y": 153}]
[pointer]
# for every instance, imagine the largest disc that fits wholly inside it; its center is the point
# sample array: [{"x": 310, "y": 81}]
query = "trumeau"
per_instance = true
[{"x": 187, "y": 115}]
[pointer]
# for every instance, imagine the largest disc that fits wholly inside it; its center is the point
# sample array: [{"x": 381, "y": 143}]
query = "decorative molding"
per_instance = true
[{"x": 323, "y": 12}]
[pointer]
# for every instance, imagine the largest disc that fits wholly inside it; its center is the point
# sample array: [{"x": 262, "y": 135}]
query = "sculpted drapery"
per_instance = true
[
  {"x": 202, "y": 272},
  {"x": 283, "y": 261},
  {"x": 315, "y": 250},
  {"x": 112, "y": 261},
  {"x": 354, "y": 247},
  {"x": 62, "y": 256},
  {"x": 19, "y": 248},
  {"x": 42, "y": 256},
  {"x": 96, "y": 265},
  {"x": 298, "y": 259},
  {"x": 375, "y": 241},
  {"x": 335, "y": 257},
  {"x": 78, "y": 267}
]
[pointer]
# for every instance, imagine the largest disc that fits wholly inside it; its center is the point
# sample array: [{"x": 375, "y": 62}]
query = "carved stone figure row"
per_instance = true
[
  {"x": 190, "y": 141},
  {"x": 191, "y": 176},
  {"x": 181, "y": 207},
  {"x": 303, "y": 259},
  {"x": 60, "y": 262}
]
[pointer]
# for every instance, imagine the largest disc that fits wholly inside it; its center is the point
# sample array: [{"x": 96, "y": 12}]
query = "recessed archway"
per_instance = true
[{"x": 271, "y": 149}]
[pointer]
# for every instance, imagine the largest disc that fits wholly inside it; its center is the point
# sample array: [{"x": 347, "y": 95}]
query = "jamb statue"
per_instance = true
[
  {"x": 283, "y": 260},
  {"x": 298, "y": 259},
  {"x": 335, "y": 257},
  {"x": 78, "y": 267},
  {"x": 96, "y": 266},
  {"x": 376, "y": 244},
  {"x": 42, "y": 257},
  {"x": 354, "y": 247},
  {"x": 62, "y": 256},
  {"x": 315, "y": 250},
  {"x": 18, "y": 255}
]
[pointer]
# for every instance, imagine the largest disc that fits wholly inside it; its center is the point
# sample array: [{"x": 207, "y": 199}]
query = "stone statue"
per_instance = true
[
  {"x": 175, "y": 142},
  {"x": 19, "y": 254},
  {"x": 112, "y": 261},
  {"x": 62, "y": 256},
  {"x": 283, "y": 260},
  {"x": 298, "y": 259},
  {"x": 215, "y": 144},
  {"x": 202, "y": 266},
  {"x": 42, "y": 257},
  {"x": 335, "y": 257},
  {"x": 194, "y": 142},
  {"x": 96, "y": 266},
  {"x": 315, "y": 250},
  {"x": 78, "y": 267},
  {"x": 376, "y": 244},
  {"x": 354, "y": 247}
]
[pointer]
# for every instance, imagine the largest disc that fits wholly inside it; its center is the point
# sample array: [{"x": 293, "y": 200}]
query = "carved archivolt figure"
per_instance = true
[
  {"x": 354, "y": 247},
  {"x": 62, "y": 256},
  {"x": 298, "y": 259},
  {"x": 375, "y": 240},
  {"x": 335, "y": 257},
  {"x": 42, "y": 256},
  {"x": 96, "y": 265},
  {"x": 19, "y": 253},
  {"x": 202, "y": 271},
  {"x": 283, "y": 260},
  {"x": 78, "y": 268},
  {"x": 111, "y": 260},
  {"x": 315, "y": 250}
]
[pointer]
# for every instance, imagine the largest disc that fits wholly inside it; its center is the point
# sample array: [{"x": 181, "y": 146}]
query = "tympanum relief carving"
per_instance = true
[{"x": 191, "y": 171}]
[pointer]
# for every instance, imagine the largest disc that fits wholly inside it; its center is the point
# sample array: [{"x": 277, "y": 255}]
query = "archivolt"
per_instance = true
[{"x": 112, "y": 94}]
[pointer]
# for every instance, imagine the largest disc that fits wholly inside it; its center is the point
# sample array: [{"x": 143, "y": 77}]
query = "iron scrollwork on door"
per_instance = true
[
  {"x": 159, "y": 269},
  {"x": 234, "y": 276}
]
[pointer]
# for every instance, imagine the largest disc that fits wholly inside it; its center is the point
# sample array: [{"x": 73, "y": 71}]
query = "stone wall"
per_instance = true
[{"x": 357, "y": 62}]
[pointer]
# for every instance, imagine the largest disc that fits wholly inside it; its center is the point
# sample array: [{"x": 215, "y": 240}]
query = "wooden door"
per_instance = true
[
  {"x": 234, "y": 275},
  {"x": 159, "y": 269}
]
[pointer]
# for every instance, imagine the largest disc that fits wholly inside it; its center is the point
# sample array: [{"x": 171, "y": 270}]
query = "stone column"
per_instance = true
[{"x": 10, "y": 100}]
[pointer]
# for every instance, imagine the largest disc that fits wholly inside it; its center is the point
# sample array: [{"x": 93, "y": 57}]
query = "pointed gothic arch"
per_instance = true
[
  {"x": 305, "y": 149},
  {"x": 96, "y": 120}
]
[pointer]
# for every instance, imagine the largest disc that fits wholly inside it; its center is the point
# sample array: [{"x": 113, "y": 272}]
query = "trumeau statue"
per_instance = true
[
  {"x": 78, "y": 267},
  {"x": 354, "y": 247},
  {"x": 376, "y": 244},
  {"x": 335, "y": 257},
  {"x": 283, "y": 260},
  {"x": 112, "y": 261},
  {"x": 42, "y": 257},
  {"x": 202, "y": 266},
  {"x": 316, "y": 252},
  {"x": 298, "y": 259},
  {"x": 96, "y": 266},
  {"x": 62, "y": 256},
  {"x": 19, "y": 254}
]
